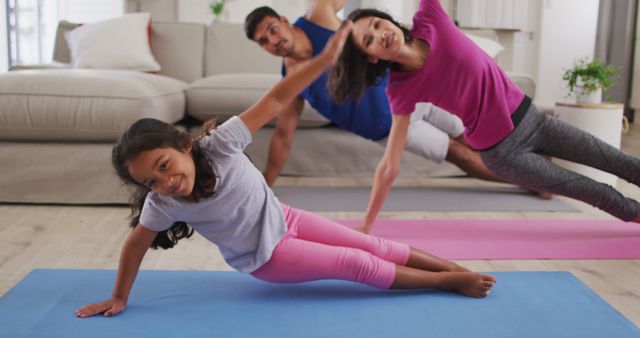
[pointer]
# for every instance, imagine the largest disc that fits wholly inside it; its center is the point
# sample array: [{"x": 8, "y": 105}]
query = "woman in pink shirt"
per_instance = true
[{"x": 435, "y": 62}]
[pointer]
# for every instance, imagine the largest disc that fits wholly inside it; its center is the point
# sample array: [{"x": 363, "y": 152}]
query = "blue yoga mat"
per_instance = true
[{"x": 230, "y": 304}]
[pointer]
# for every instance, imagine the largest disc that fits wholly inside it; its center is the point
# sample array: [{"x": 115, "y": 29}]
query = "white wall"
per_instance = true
[
  {"x": 567, "y": 32},
  {"x": 490, "y": 13},
  {"x": 515, "y": 22},
  {"x": 524, "y": 57},
  {"x": 80, "y": 11},
  {"x": 394, "y": 8},
  {"x": 235, "y": 11},
  {"x": 194, "y": 11},
  {"x": 292, "y": 9},
  {"x": 162, "y": 10},
  {"x": 549, "y": 35},
  {"x": 4, "y": 50},
  {"x": 198, "y": 10},
  {"x": 402, "y": 10},
  {"x": 89, "y": 10}
]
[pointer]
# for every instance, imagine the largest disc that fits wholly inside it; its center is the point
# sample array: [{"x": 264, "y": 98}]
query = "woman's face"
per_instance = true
[
  {"x": 378, "y": 38},
  {"x": 166, "y": 171}
]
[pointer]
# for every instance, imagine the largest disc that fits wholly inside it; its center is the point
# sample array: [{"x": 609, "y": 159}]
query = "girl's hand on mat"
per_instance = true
[{"x": 108, "y": 307}]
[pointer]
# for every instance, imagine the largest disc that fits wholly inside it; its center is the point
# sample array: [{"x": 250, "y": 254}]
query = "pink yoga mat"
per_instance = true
[{"x": 515, "y": 239}]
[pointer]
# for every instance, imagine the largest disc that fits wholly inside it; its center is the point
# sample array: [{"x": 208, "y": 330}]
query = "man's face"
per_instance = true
[{"x": 275, "y": 35}]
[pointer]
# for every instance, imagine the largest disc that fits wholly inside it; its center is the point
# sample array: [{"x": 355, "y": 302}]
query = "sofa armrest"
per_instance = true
[{"x": 525, "y": 82}]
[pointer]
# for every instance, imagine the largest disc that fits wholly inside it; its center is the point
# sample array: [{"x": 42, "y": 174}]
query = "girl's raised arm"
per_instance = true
[
  {"x": 274, "y": 101},
  {"x": 133, "y": 251}
]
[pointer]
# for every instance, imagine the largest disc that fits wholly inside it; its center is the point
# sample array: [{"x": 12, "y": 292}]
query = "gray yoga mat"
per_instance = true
[{"x": 419, "y": 199}]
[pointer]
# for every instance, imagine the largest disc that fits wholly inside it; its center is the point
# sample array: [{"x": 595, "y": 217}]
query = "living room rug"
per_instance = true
[
  {"x": 230, "y": 304},
  {"x": 515, "y": 239},
  {"x": 419, "y": 199}
]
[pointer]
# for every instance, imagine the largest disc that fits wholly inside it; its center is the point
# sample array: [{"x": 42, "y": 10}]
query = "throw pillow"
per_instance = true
[
  {"x": 489, "y": 46},
  {"x": 120, "y": 43}
]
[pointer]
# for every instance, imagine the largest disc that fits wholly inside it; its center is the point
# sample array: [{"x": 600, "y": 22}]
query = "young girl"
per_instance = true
[
  {"x": 435, "y": 62},
  {"x": 211, "y": 186}
]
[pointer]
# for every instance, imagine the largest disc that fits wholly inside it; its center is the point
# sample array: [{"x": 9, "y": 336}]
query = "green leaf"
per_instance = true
[
  {"x": 217, "y": 6},
  {"x": 593, "y": 75}
]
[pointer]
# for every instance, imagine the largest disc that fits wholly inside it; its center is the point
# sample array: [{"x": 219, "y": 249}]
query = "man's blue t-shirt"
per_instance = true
[{"x": 369, "y": 118}]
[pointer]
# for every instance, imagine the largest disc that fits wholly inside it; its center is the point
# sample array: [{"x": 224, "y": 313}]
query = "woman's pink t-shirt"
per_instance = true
[{"x": 459, "y": 77}]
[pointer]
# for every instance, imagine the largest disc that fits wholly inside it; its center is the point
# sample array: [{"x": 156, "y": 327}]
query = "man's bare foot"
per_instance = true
[
  {"x": 468, "y": 283},
  {"x": 544, "y": 195}
]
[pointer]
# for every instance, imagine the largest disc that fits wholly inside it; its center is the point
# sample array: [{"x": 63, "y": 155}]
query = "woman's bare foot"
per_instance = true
[{"x": 468, "y": 283}]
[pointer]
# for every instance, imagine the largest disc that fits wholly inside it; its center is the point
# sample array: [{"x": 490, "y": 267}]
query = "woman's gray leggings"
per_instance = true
[{"x": 520, "y": 159}]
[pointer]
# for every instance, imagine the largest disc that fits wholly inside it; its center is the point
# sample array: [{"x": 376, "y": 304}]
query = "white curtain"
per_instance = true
[
  {"x": 615, "y": 44},
  {"x": 4, "y": 43}
]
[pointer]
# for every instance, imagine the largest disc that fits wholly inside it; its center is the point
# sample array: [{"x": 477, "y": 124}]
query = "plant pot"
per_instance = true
[{"x": 585, "y": 96}]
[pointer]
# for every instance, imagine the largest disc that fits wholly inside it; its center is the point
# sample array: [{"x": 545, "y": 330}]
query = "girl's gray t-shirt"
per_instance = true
[{"x": 243, "y": 217}]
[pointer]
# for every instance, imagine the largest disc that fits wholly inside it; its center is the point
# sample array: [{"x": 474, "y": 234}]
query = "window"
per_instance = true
[
  {"x": 31, "y": 28},
  {"x": 32, "y": 24}
]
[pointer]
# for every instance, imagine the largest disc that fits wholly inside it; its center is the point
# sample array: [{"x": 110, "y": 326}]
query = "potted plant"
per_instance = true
[
  {"x": 588, "y": 80},
  {"x": 217, "y": 8}
]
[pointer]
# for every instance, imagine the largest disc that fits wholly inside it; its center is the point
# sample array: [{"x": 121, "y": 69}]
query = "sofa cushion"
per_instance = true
[
  {"x": 226, "y": 95},
  {"x": 169, "y": 40},
  {"x": 489, "y": 46},
  {"x": 244, "y": 56},
  {"x": 525, "y": 82},
  {"x": 118, "y": 43},
  {"x": 83, "y": 104},
  {"x": 179, "y": 48},
  {"x": 61, "y": 52}
]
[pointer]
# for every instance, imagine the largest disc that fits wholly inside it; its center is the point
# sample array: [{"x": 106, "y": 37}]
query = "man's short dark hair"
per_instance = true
[{"x": 255, "y": 17}]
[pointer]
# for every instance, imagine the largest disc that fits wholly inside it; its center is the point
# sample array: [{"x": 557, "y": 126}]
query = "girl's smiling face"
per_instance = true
[
  {"x": 167, "y": 171},
  {"x": 378, "y": 38}
]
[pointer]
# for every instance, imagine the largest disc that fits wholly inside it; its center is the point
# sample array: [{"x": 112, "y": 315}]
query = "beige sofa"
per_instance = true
[{"x": 57, "y": 124}]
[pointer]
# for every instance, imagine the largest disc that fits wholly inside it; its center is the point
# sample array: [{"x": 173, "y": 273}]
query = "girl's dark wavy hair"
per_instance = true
[
  {"x": 353, "y": 73},
  {"x": 148, "y": 134}
]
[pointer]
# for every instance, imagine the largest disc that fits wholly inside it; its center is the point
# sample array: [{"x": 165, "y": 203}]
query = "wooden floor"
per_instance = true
[{"x": 90, "y": 238}]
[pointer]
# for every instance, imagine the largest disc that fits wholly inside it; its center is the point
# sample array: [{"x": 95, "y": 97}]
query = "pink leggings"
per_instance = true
[{"x": 317, "y": 248}]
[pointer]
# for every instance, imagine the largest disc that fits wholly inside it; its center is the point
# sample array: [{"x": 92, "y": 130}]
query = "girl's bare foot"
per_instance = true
[{"x": 469, "y": 283}]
